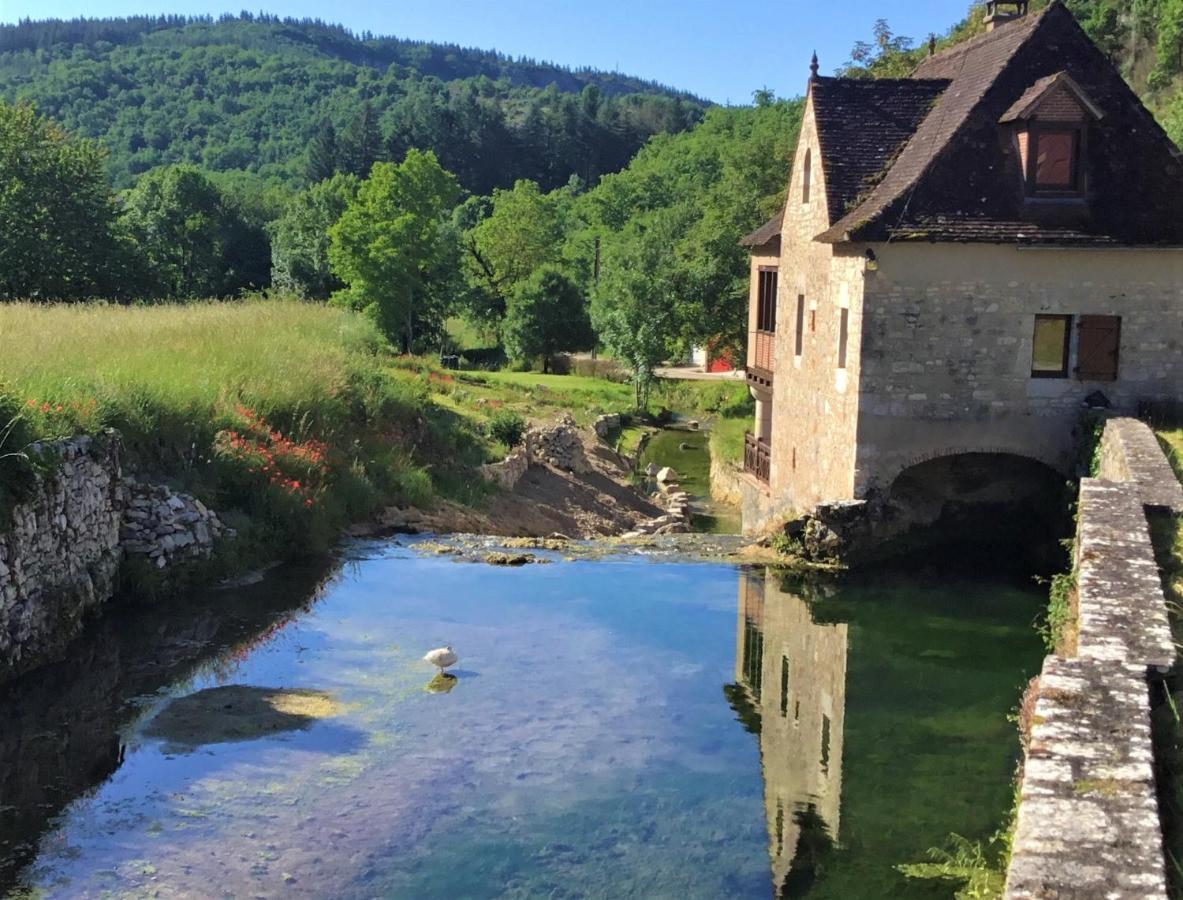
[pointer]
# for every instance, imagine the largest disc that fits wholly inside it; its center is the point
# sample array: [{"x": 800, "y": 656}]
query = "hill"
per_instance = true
[{"x": 254, "y": 93}]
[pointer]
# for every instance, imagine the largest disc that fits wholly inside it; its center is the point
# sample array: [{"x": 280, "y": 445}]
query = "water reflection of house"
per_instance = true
[{"x": 790, "y": 689}]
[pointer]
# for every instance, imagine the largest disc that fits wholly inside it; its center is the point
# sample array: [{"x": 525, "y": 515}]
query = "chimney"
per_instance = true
[{"x": 999, "y": 12}]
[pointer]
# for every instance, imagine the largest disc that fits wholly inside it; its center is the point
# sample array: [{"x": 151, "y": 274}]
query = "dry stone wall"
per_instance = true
[
  {"x": 60, "y": 556},
  {"x": 559, "y": 445}
]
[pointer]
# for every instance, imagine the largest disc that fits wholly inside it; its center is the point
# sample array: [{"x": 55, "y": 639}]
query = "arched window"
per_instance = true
[{"x": 807, "y": 176}]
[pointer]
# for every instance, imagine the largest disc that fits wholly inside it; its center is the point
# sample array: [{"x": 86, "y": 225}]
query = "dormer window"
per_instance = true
[{"x": 1050, "y": 126}]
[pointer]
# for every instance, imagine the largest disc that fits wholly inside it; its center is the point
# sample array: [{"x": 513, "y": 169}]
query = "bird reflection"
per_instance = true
[
  {"x": 790, "y": 691},
  {"x": 442, "y": 683}
]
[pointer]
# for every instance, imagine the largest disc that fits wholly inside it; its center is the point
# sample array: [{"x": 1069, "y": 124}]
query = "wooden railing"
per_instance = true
[{"x": 757, "y": 457}]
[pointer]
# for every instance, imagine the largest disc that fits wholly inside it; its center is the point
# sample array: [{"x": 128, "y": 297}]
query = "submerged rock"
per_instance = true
[{"x": 238, "y": 713}]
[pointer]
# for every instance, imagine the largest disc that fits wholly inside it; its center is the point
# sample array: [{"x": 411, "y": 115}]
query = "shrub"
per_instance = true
[{"x": 508, "y": 427}]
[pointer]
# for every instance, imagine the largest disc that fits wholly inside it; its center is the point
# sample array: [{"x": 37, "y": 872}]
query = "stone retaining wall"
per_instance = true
[
  {"x": 60, "y": 557},
  {"x": 1088, "y": 824},
  {"x": 559, "y": 445}
]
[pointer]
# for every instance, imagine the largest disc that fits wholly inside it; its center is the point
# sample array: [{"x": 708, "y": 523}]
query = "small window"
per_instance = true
[
  {"x": 766, "y": 300},
  {"x": 784, "y": 686},
  {"x": 843, "y": 336},
  {"x": 800, "y": 347},
  {"x": 807, "y": 176},
  {"x": 825, "y": 745},
  {"x": 1055, "y": 161},
  {"x": 1049, "y": 355}
]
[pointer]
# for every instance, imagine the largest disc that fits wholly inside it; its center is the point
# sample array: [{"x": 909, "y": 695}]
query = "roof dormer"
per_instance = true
[{"x": 1050, "y": 126}]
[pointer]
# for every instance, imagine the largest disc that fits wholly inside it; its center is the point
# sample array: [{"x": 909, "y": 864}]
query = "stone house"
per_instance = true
[{"x": 966, "y": 259}]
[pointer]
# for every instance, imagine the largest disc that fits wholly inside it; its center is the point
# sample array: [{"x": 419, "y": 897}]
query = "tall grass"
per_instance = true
[
  {"x": 280, "y": 357},
  {"x": 232, "y": 401}
]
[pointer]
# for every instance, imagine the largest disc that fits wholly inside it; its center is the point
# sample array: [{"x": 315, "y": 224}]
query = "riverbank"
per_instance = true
[{"x": 282, "y": 424}]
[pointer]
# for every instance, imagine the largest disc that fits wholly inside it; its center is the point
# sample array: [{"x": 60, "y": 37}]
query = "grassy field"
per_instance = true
[
  {"x": 294, "y": 414},
  {"x": 294, "y": 418}
]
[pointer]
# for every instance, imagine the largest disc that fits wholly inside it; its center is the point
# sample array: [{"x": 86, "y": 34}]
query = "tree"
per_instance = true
[
  {"x": 393, "y": 242},
  {"x": 322, "y": 153},
  {"x": 361, "y": 143},
  {"x": 57, "y": 214},
  {"x": 189, "y": 239},
  {"x": 523, "y": 232},
  {"x": 546, "y": 314},
  {"x": 300, "y": 238},
  {"x": 632, "y": 309}
]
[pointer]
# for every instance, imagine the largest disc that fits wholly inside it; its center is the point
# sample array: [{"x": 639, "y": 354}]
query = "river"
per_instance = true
[{"x": 619, "y": 727}]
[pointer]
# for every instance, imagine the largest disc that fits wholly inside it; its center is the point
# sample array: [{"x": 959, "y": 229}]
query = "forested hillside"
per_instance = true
[
  {"x": 294, "y": 100},
  {"x": 1144, "y": 38}
]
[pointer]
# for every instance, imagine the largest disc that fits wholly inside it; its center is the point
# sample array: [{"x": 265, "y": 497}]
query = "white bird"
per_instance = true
[{"x": 442, "y": 657}]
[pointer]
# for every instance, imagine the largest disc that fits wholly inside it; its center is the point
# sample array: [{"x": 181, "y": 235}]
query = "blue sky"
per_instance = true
[{"x": 719, "y": 50}]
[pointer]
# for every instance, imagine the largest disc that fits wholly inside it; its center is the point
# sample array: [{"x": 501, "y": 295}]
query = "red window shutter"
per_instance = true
[{"x": 1098, "y": 348}]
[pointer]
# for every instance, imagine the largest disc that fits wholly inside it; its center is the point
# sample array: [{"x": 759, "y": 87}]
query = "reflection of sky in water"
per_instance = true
[
  {"x": 587, "y": 736},
  {"x": 589, "y": 748}
]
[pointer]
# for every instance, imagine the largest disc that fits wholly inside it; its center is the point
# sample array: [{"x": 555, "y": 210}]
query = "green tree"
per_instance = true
[
  {"x": 394, "y": 241},
  {"x": 190, "y": 241},
  {"x": 300, "y": 238},
  {"x": 361, "y": 143},
  {"x": 322, "y": 153},
  {"x": 703, "y": 190},
  {"x": 633, "y": 310},
  {"x": 547, "y": 314},
  {"x": 523, "y": 232},
  {"x": 57, "y": 214}
]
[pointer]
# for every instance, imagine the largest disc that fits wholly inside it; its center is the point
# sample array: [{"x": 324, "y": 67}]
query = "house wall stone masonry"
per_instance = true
[
  {"x": 814, "y": 404},
  {"x": 947, "y": 348},
  {"x": 60, "y": 558},
  {"x": 939, "y": 359}
]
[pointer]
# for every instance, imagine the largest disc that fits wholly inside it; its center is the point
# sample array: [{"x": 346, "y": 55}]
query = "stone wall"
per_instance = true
[
  {"x": 947, "y": 349},
  {"x": 814, "y": 403},
  {"x": 164, "y": 527},
  {"x": 60, "y": 557},
  {"x": 1088, "y": 824},
  {"x": 559, "y": 445}
]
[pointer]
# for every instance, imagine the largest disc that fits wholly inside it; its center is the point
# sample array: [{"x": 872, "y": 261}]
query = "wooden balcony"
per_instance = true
[
  {"x": 757, "y": 457},
  {"x": 761, "y": 358}
]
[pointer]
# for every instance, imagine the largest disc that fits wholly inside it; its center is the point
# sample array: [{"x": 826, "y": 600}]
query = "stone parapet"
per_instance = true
[
  {"x": 1088, "y": 823},
  {"x": 1122, "y": 611},
  {"x": 1131, "y": 452}
]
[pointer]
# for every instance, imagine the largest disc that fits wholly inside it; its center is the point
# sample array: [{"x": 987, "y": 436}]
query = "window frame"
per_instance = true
[
  {"x": 767, "y": 286},
  {"x": 807, "y": 177},
  {"x": 799, "y": 347},
  {"x": 1066, "y": 351},
  {"x": 843, "y": 335},
  {"x": 1036, "y": 130}
]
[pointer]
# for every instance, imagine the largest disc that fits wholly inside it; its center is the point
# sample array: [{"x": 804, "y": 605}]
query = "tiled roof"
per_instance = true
[
  {"x": 1030, "y": 101},
  {"x": 768, "y": 231},
  {"x": 959, "y": 178},
  {"x": 861, "y": 125}
]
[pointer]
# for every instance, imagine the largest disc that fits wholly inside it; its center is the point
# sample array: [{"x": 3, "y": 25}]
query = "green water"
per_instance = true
[
  {"x": 688, "y": 453},
  {"x": 617, "y": 728}
]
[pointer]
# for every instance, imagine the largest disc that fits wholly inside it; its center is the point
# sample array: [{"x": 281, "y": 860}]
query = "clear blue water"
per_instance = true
[{"x": 617, "y": 728}]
